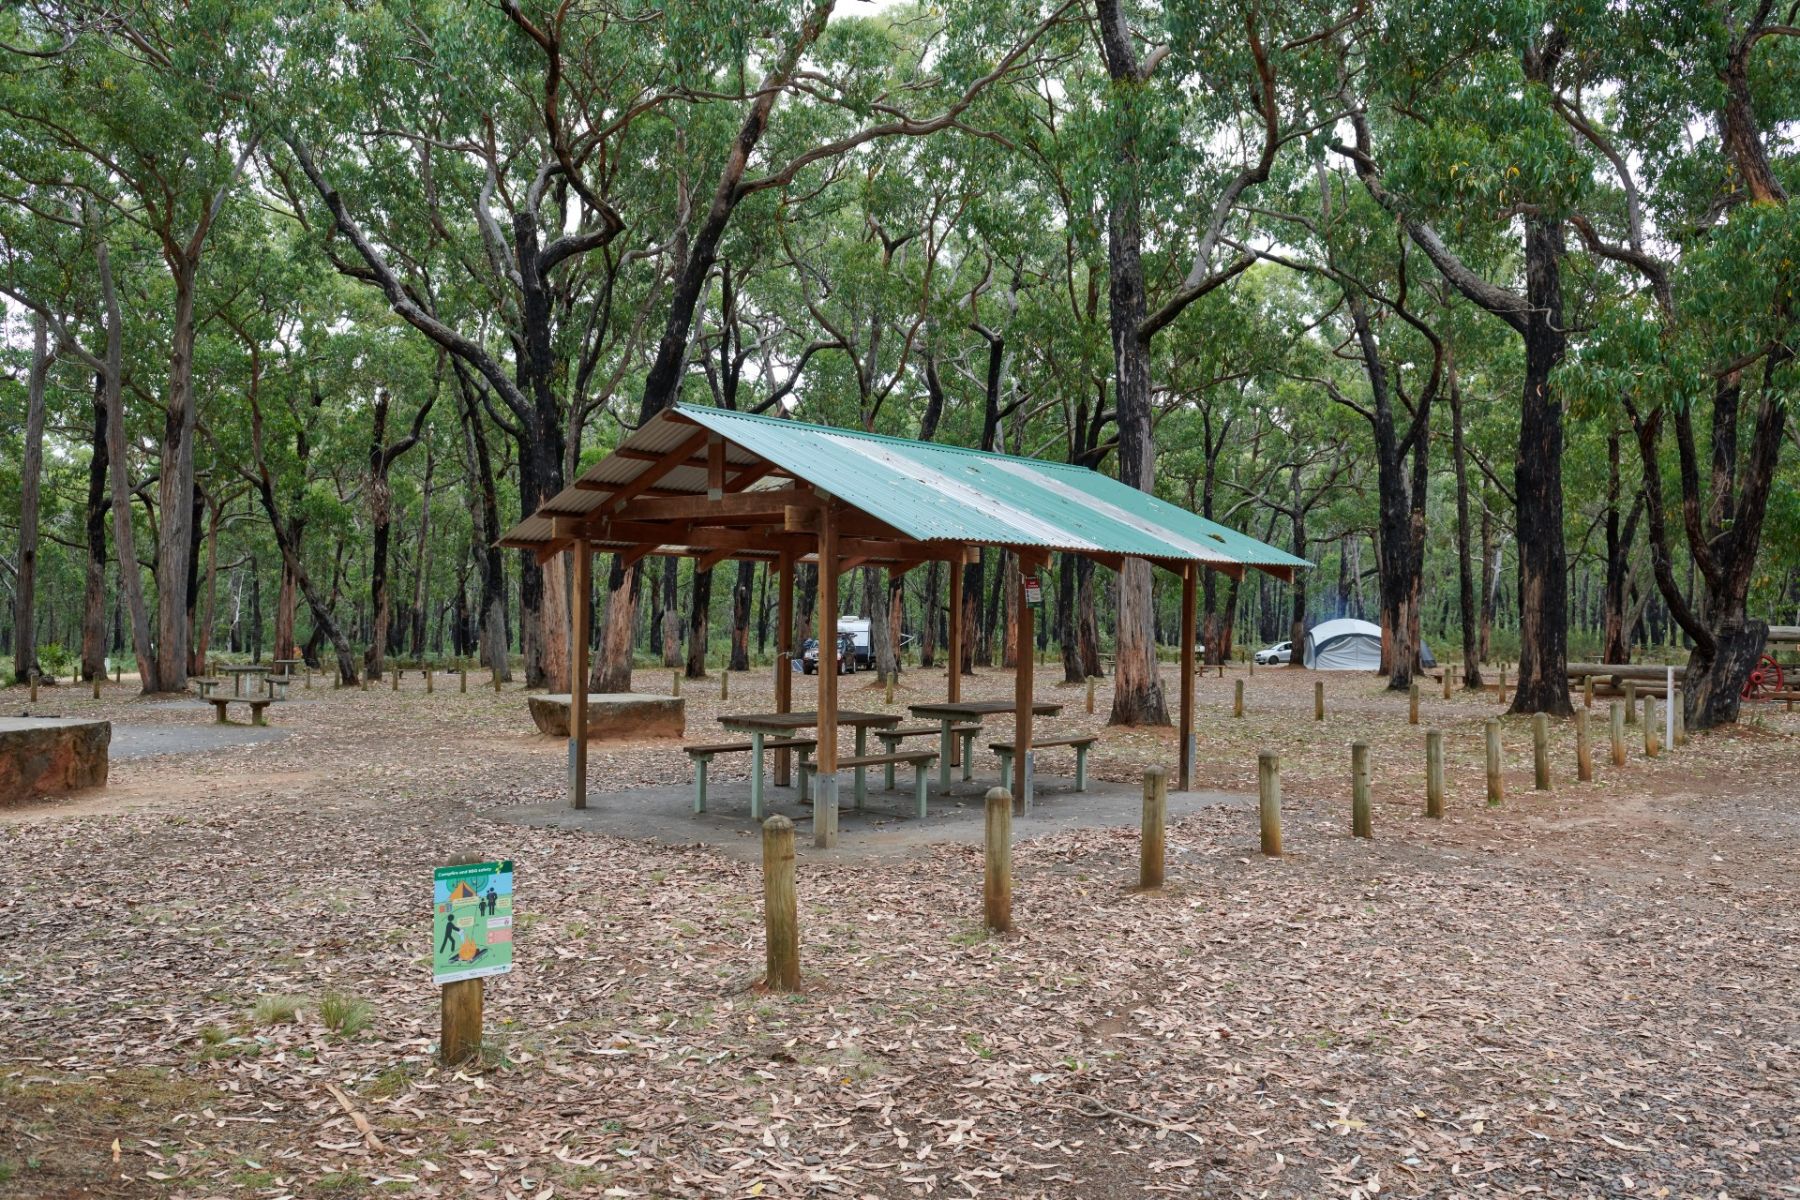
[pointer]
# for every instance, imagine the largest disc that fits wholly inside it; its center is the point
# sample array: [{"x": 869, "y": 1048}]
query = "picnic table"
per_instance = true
[
  {"x": 237, "y": 674},
  {"x": 760, "y": 725},
  {"x": 950, "y": 713}
]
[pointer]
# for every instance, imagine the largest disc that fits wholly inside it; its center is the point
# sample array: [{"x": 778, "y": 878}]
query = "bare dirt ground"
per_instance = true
[{"x": 1590, "y": 992}]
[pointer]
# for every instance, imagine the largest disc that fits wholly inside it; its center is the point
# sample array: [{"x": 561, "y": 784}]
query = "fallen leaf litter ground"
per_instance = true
[{"x": 1589, "y": 992}]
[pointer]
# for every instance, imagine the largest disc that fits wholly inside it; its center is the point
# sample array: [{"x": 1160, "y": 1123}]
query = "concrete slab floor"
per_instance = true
[{"x": 885, "y": 829}]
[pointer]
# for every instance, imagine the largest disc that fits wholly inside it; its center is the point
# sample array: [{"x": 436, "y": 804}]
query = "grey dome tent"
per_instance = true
[{"x": 1347, "y": 644}]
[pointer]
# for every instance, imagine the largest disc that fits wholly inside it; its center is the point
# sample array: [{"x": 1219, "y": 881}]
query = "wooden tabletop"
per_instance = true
[
  {"x": 980, "y": 708},
  {"x": 781, "y": 722},
  {"x": 243, "y": 669}
]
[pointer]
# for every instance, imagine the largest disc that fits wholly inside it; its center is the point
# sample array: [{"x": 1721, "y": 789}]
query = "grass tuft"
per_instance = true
[
  {"x": 279, "y": 1008},
  {"x": 347, "y": 1015}
]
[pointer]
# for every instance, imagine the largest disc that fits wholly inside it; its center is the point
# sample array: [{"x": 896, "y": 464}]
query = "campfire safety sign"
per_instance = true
[
  {"x": 1034, "y": 592},
  {"x": 471, "y": 921}
]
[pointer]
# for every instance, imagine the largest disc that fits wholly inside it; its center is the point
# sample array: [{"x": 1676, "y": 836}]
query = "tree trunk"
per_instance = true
[
  {"x": 124, "y": 533},
  {"x": 928, "y": 628},
  {"x": 670, "y": 609},
  {"x": 93, "y": 625},
  {"x": 699, "y": 623},
  {"x": 30, "y": 481},
  {"x": 1543, "y": 565},
  {"x": 175, "y": 489},
  {"x": 1465, "y": 570},
  {"x": 1297, "y": 587},
  {"x": 484, "y": 514},
  {"x": 740, "y": 615}
]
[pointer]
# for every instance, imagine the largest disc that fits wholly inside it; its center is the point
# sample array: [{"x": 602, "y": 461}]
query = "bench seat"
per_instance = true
[
  {"x": 702, "y": 757},
  {"x": 921, "y": 761},
  {"x": 1005, "y": 751},
  {"x": 221, "y": 703},
  {"x": 891, "y": 739}
]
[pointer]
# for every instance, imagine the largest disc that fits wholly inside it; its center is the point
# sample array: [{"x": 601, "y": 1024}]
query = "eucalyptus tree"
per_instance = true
[
  {"x": 1193, "y": 126},
  {"x": 1698, "y": 238}
]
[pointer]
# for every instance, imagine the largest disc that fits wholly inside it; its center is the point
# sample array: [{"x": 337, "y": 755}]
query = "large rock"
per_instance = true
[
  {"x": 613, "y": 716},
  {"x": 41, "y": 756}
]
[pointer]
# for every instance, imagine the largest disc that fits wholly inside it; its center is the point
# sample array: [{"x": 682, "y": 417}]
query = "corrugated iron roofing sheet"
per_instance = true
[{"x": 931, "y": 492}]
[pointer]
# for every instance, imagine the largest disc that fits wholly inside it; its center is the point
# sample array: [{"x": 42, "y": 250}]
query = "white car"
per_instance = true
[{"x": 1274, "y": 656}]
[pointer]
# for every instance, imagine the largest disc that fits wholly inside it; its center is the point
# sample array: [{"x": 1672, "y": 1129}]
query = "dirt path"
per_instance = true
[{"x": 1584, "y": 993}]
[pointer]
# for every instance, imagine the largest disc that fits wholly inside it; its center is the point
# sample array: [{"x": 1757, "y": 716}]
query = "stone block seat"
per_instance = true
[{"x": 41, "y": 756}]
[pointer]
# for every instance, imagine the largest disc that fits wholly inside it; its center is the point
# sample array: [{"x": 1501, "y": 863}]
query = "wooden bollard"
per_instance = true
[
  {"x": 1152, "y": 844},
  {"x": 34, "y": 683},
  {"x": 887, "y": 692},
  {"x": 1221, "y": 668},
  {"x": 1496, "y": 787},
  {"x": 1447, "y": 673},
  {"x": 1631, "y": 702},
  {"x": 1361, "y": 820},
  {"x": 781, "y": 919},
  {"x": 1434, "y": 773},
  {"x": 1412, "y": 703},
  {"x": 1617, "y": 721},
  {"x": 1652, "y": 735},
  {"x": 1253, "y": 664},
  {"x": 1090, "y": 694},
  {"x": 725, "y": 685},
  {"x": 459, "y": 1027},
  {"x": 1584, "y": 752},
  {"x": 1268, "y": 802},
  {"x": 1503, "y": 686},
  {"x": 1678, "y": 711},
  {"x": 1319, "y": 700},
  {"x": 1587, "y": 691},
  {"x": 428, "y": 687},
  {"x": 1237, "y": 699},
  {"x": 462, "y": 686},
  {"x": 674, "y": 683},
  {"x": 362, "y": 682},
  {"x": 308, "y": 674},
  {"x": 1540, "y": 751},
  {"x": 394, "y": 677},
  {"x": 997, "y": 887},
  {"x": 496, "y": 674}
]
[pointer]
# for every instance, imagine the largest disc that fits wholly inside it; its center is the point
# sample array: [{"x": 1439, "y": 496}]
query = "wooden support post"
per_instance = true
[
  {"x": 1268, "y": 802},
  {"x": 1540, "y": 751},
  {"x": 887, "y": 691},
  {"x": 1022, "y": 697},
  {"x": 1631, "y": 715},
  {"x": 1584, "y": 751},
  {"x": 428, "y": 685},
  {"x": 1652, "y": 735},
  {"x": 781, "y": 918},
  {"x": 825, "y": 803},
  {"x": 459, "y": 1028},
  {"x": 362, "y": 682},
  {"x": 1090, "y": 695},
  {"x": 1678, "y": 715},
  {"x": 784, "y": 656},
  {"x": 307, "y": 671},
  {"x": 462, "y": 685},
  {"x": 1448, "y": 671},
  {"x": 1412, "y": 704},
  {"x": 1184, "y": 733},
  {"x": 1318, "y": 700},
  {"x": 1237, "y": 699},
  {"x": 1434, "y": 773},
  {"x": 1151, "y": 843},
  {"x": 1496, "y": 787},
  {"x": 1503, "y": 686},
  {"x": 1361, "y": 820},
  {"x": 1668, "y": 738},
  {"x": 675, "y": 682},
  {"x": 997, "y": 885},
  {"x": 1617, "y": 720},
  {"x": 578, "y": 672},
  {"x": 725, "y": 684},
  {"x": 1587, "y": 691},
  {"x": 34, "y": 686}
]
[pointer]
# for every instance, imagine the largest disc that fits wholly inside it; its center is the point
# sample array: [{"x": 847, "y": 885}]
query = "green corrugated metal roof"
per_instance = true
[
  {"x": 936, "y": 492},
  {"x": 929, "y": 492}
]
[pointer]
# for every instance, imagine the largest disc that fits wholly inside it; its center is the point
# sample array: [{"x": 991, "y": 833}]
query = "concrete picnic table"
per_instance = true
[
  {"x": 949, "y": 713},
  {"x": 760, "y": 725},
  {"x": 237, "y": 674}
]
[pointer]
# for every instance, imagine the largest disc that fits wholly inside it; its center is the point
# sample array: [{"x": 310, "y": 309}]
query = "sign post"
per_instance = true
[{"x": 472, "y": 938}]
